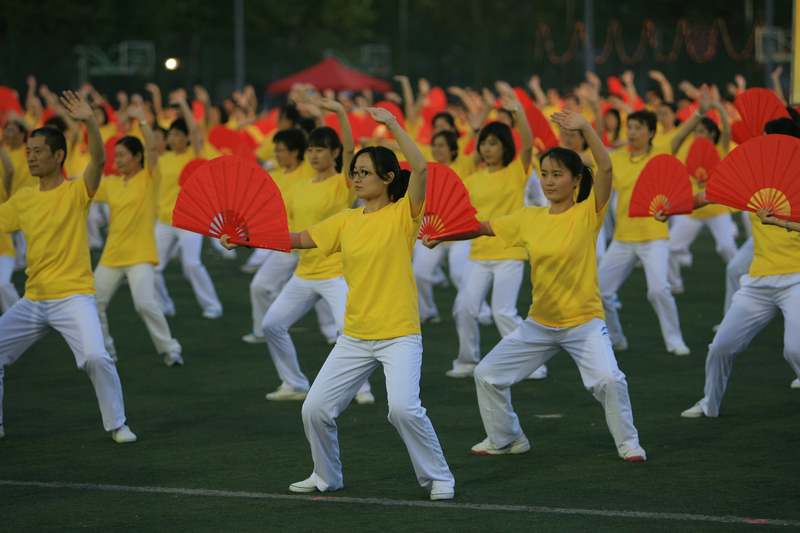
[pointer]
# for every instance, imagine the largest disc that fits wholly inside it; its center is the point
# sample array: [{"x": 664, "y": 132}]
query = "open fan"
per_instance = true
[
  {"x": 188, "y": 170},
  {"x": 368, "y": 125},
  {"x": 9, "y": 100},
  {"x": 110, "y": 167},
  {"x": 702, "y": 159},
  {"x": 543, "y": 136},
  {"x": 229, "y": 142},
  {"x": 758, "y": 106},
  {"x": 762, "y": 172},
  {"x": 664, "y": 186},
  {"x": 448, "y": 210},
  {"x": 236, "y": 197},
  {"x": 740, "y": 132}
]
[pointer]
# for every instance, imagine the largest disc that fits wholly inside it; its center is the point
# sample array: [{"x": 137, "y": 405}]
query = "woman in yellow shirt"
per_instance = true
[
  {"x": 381, "y": 322},
  {"x": 130, "y": 251}
]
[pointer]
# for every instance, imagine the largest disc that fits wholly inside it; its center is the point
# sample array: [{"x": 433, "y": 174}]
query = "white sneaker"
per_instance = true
[
  {"x": 715, "y": 328},
  {"x": 252, "y": 338},
  {"x": 637, "y": 455},
  {"x": 330, "y": 340},
  {"x": 282, "y": 394},
  {"x": 228, "y": 255},
  {"x": 677, "y": 290},
  {"x": 247, "y": 268},
  {"x": 521, "y": 445},
  {"x": 694, "y": 412},
  {"x": 173, "y": 358},
  {"x": 307, "y": 485},
  {"x": 365, "y": 398},
  {"x": 681, "y": 349},
  {"x": 621, "y": 346},
  {"x": 212, "y": 314},
  {"x": 539, "y": 373},
  {"x": 442, "y": 492},
  {"x": 795, "y": 385},
  {"x": 485, "y": 320},
  {"x": 435, "y": 319},
  {"x": 123, "y": 434},
  {"x": 460, "y": 373}
]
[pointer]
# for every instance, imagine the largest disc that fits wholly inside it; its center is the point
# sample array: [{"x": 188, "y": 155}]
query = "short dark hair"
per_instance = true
[
  {"x": 325, "y": 137},
  {"x": 613, "y": 111},
  {"x": 52, "y": 138},
  {"x": 782, "y": 126},
  {"x": 293, "y": 139},
  {"x": 674, "y": 109},
  {"x": 648, "y": 118},
  {"x": 503, "y": 134},
  {"x": 510, "y": 115},
  {"x": 58, "y": 123},
  {"x": 451, "y": 138},
  {"x": 159, "y": 128},
  {"x": 385, "y": 161},
  {"x": 180, "y": 125},
  {"x": 133, "y": 145},
  {"x": 571, "y": 161},
  {"x": 20, "y": 126},
  {"x": 290, "y": 112},
  {"x": 447, "y": 117}
]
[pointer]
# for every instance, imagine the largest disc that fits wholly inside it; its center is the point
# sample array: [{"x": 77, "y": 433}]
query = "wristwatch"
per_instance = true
[{"x": 788, "y": 229}]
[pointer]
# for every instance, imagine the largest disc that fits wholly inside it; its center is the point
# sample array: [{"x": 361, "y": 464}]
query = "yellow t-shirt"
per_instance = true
[
  {"x": 311, "y": 204},
  {"x": 775, "y": 251},
  {"x": 464, "y": 166},
  {"x": 131, "y": 235},
  {"x": 376, "y": 253},
  {"x": 626, "y": 173},
  {"x": 662, "y": 139},
  {"x": 563, "y": 260},
  {"x": 286, "y": 184},
  {"x": 168, "y": 174},
  {"x": 266, "y": 151},
  {"x": 22, "y": 173},
  {"x": 54, "y": 225},
  {"x": 6, "y": 242},
  {"x": 495, "y": 195}
]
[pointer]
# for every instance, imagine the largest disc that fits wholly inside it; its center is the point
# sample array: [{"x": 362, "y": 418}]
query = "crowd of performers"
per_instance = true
[{"x": 72, "y": 163}]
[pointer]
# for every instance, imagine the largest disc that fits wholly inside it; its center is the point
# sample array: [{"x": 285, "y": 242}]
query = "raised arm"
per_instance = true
[
  {"x": 776, "y": 84},
  {"x": 79, "y": 110},
  {"x": 536, "y": 86},
  {"x": 724, "y": 123},
  {"x": 150, "y": 150},
  {"x": 630, "y": 88},
  {"x": 195, "y": 132},
  {"x": 8, "y": 168},
  {"x": 155, "y": 93},
  {"x": 348, "y": 144},
  {"x": 510, "y": 103},
  {"x": 704, "y": 104},
  {"x": 408, "y": 99},
  {"x": 663, "y": 83},
  {"x": 570, "y": 120}
]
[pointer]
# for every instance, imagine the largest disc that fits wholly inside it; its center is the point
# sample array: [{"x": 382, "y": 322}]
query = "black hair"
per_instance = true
[
  {"x": 712, "y": 127},
  {"x": 293, "y": 139},
  {"x": 180, "y": 125},
  {"x": 648, "y": 118},
  {"x": 510, "y": 115},
  {"x": 674, "y": 110},
  {"x": 58, "y": 123},
  {"x": 658, "y": 93},
  {"x": 447, "y": 117},
  {"x": 615, "y": 112},
  {"x": 20, "y": 126},
  {"x": 782, "y": 126},
  {"x": 133, "y": 145},
  {"x": 503, "y": 134},
  {"x": 571, "y": 161},
  {"x": 223, "y": 113},
  {"x": 290, "y": 112},
  {"x": 793, "y": 114},
  {"x": 306, "y": 124},
  {"x": 384, "y": 161},
  {"x": 52, "y": 138},
  {"x": 451, "y": 138},
  {"x": 325, "y": 137},
  {"x": 105, "y": 113},
  {"x": 159, "y": 128}
]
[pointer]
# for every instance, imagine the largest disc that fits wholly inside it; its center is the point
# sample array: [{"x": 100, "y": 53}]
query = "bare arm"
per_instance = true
[
  {"x": 348, "y": 144},
  {"x": 151, "y": 153},
  {"x": 630, "y": 88},
  {"x": 464, "y": 97},
  {"x": 776, "y": 84},
  {"x": 725, "y": 125},
  {"x": 767, "y": 218},
  {"x": 299, "y": 241},
  {"x": 536, "y": 86},
  {"x": 8, "y": 168},
  {"x": 79, "y": 110},
  {"x": 408, "y": 99},
  {"x": 195, "y": 132},
  {"x": 156, "y": 94},
  {"x": 510, "y": 103},
  {"x": 704, "y": 101},
  {"x": 485, "y": 229},
  {"x": 663, "y": 82}
]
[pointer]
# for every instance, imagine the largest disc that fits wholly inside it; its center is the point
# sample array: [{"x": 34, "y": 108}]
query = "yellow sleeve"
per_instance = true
[
  {"x": 509, "y": 228},
  {"x": 9, "y": 217},
  {"x": 327, "y": 235}
]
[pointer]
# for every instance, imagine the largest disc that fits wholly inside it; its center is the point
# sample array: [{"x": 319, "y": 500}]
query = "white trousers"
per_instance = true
[
  {"x": 75, "y": 317},
  {"x": 141, "y": 278},
  {"x": 295, "y": 300},
  {"x": 505, "y": 279},
  {"x": 94, "y": 220},
  {"x": 529, "y": 347},
  {"x": 348, "y": 366},
  {"x": 267, "y": 283},
  {"x": 191, "y": 245},
  {"x": 21, "y": 249},
  {"x": 258, "y": 256},
  {"x": 737, "y": 267},
  {"x": 617, "y": 265},
  {"x": 8, "y": 293},
  {"x": 685, "y": 230},
  {"x": 754, "y": 305}
]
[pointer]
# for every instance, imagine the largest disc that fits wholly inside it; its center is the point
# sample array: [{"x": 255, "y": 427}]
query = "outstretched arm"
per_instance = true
[
  {"x": 485, "y": 229},
  {"x": 79, "y": 110},
  {"x": 299, "y": 241},
  {"x": 8, "y": 168},
  {"x": 767, "y": 218}
]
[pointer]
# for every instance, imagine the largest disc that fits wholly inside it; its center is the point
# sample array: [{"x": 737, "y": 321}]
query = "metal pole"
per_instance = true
[
  {"x": 238, "y": 17},
  {"x": 768, "y": 66},
  {"x": 588, "y": 16}
]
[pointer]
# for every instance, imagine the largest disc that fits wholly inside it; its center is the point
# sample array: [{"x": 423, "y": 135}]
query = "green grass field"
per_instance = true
[{"x": 226, "y": 456}]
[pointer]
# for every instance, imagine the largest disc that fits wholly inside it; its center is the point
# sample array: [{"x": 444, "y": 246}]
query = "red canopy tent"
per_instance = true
[{"x": 330, "y": 74}]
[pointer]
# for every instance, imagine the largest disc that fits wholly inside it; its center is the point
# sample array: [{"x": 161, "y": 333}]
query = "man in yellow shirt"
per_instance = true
[{"x": 60, "y": 293}]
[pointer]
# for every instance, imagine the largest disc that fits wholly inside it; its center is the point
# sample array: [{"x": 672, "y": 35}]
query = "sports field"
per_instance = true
[{"x": 214, "y": 455}]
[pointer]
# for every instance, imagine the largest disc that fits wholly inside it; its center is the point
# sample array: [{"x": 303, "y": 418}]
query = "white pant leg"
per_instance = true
[
  {"x": 590, "y": 348},
  {"x": 474, "y": 288},
  {"x": 747, "y": 224},
  {"x": 737, "y": 267},
  {"x": 513, "y": 359},
  {"x": 166, "y": 239},
  {"x": 505, "y": 291},
  {"x": 655, "y": 258},
  {"x": 141, "y": 279},
  {"x": 106, "y": 282},
  {"x": 457, "y": 257},
  {"x": 600, "y": 245},
  {"x": 721, "y": 227},
  {"x": 258, "y": 256},
  {"x": 195, "y": 271},
  {"x": 93, "y": 222},
  {"x": 617, "y": 265},
  {"x": 23, "y": 324},
  {"x": 21, "y": 248},
  {"x": 267, "y": 283},
  {"x": 425, "y": 263},
  {"x": 8, "y": 293},
  {"x": 328, "y": 325},
  {"x": 682, "y": 234}
]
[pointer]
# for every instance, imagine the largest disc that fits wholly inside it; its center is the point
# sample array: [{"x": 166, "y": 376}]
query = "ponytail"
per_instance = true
[
  {"x": 571, "y": 161},
  {"x": 384, "y": 161}
]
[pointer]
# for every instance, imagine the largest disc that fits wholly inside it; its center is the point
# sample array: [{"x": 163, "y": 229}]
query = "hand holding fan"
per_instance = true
[
  {"x": 758, "y": 106},
  {"x": 236, "y": 197},
  {"x": 664, "y": 186},
  {"x": 448, "y": 210},
  {"x": 763, "y": 172},
  {"x": 702, "y": 159}
]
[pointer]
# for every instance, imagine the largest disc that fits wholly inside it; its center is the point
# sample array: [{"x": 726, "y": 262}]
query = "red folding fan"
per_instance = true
[
  {"x": 236, "y": 197},
  {"x": 228, "y": 142},
  {"x": 110, "y": 167},
  {"x": 9, "y": 100},
  {"x": 740, "y": 133},
  {"x": 664, "y": 186},
  {"x": 188, "y": 170},
  {"x": 368, "y": 125},
  {"x": 543, "y": 136},
  {"x": 702, "y": 159},
  {"x": 763, "y": 172},
  {"x": 448, "y": 210},
  {"x": 758, "y": 106}
]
